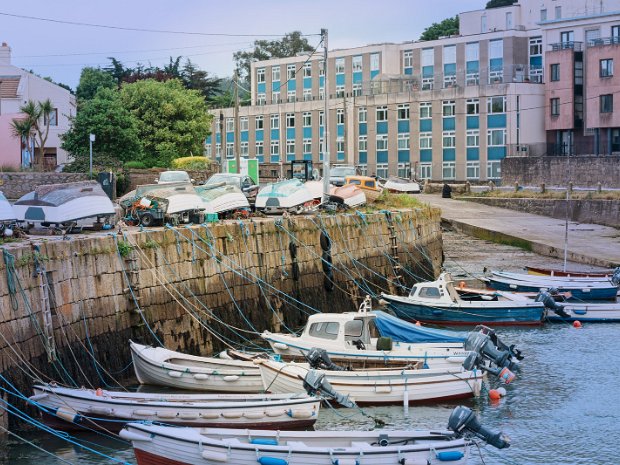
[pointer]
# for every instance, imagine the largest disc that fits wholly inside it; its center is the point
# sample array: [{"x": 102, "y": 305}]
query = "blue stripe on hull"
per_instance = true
[{"x": 577, "y": 294}]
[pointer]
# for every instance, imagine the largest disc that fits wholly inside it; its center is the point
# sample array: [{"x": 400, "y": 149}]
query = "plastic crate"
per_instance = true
[{"x": 211, "y": 217}]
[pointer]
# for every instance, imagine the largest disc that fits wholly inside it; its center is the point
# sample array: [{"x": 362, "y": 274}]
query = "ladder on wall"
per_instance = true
[
  {"x": 46, "y": 312},
  {"x": 398, "y": 277}
]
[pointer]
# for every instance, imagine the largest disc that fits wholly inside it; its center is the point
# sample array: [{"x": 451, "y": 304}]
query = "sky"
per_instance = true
[{"x": 59, "y": 50}]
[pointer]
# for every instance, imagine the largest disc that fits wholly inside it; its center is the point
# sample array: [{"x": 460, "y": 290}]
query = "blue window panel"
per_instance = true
[
  {"x": 340, "y": 79},
  {"x": 275, "y": 134},
  {"x": 276, "y": 86},
  {"x": 244, "y": 136},
  {"x": 382, "y": 127},
  {"x": 260, "y": 135},
  {"x": 261, "y": 87},
  {"x": 426, "y": 155},
  {"x": 340, "y": 156},
  {"x": 340, "y": 130},
  {"x": 449, "y": 69},
  {"x": 473, "y": 153},
  {"x": 382, "y": 156},
  {"x": 403, "y": 126},
  {"x": 449, "y": 154},
  {"x": 427, "y": 71},
  {"x": 357, "y": 77},
  {"x": 307, "y": 133},
  {"x": 321, "y": 81},
  {"x": 496, "y": 64},
  {"x": 291, "y": 85},
  {"x": 373, "y": 74},
  {"x": 496, "y": 121},
  {"x": 426, "y": 125},
  {"x": 208, "y": 141},
  {"x": 409, "y": 71},
  {"x": 496, "y": 153},
  {"x": 290, "y": 156},
  {"x": 290, "y": 133},
  {"x": 363, "y": 129},
  {"x": 218, "y": 138},
  {"x": 536, "y": 62},
  {"x": 307, "y": 83},
  {"x": 449, "y": 124},
  {"x": 230, "y": 137},
  {"x": 260, "y": 158},
  {"x": 363, "y": 157},
  {"x": 275, "y": 158},
  {"x": 473, "y": 122},
  {"x": 404, "y": 156},
  {"x": 473, "y": 66},
  {"x": 307, "y": 156}
]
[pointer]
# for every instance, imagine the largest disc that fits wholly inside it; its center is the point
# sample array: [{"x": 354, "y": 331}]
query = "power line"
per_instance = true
[{"x": 135, "y": 29}]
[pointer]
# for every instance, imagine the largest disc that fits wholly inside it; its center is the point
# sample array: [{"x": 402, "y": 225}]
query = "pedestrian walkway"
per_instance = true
[{"x": 587, "y": 243}]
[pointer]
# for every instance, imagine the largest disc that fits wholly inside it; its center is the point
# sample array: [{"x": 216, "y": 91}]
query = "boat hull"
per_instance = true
[
  {"x": 586, "y": 312},
  {"x": 577, "y": 292}
]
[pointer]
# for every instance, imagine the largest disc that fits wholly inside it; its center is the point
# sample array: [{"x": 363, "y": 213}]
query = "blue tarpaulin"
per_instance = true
[{"x": 403, "y": 331}]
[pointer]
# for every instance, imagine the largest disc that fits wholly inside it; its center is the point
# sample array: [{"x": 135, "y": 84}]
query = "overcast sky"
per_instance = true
[{"x": 61, "y": 50}]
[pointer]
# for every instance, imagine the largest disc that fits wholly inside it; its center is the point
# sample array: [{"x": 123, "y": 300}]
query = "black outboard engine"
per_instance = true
[
  {"x": 462, "y": 421},
  {"x": 315, "y": 383},
  {"x": 615, "y": 278},
  {"x": 546, "y": 297},
  {"x": 498, "y": 342},
  {"x": 319, "y": 360},
  {"x": 482, "y": 344},
  {"x": 474, "y": 360}
]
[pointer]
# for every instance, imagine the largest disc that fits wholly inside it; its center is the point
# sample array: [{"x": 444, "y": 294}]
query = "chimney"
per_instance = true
[{"x": 5, "y": 54}]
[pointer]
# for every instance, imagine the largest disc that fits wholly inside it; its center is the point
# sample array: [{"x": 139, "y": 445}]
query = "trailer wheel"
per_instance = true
[{"x": 147, "y": 219}]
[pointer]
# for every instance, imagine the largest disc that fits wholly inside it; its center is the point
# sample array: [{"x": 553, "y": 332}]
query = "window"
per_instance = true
[
  {"x": 473, "y": 170},
  {"x": 275, "y": 73},
  {"x": 244, "y": 149},
  {"x": 275, "y": 122},
  {"x": 496, "y": 104},
  {"x": 448, "y": 139},
  {"x": 382, "y": 170},
  {"x": 472, "y": 51},
  {"x": 426, "y": 170},
  {"x": 321, "y": 69},
  {"x": 290, "y": 96},
  {"x": 209, "y": 151},
  {"x": 307, "y": 145},
  {"x": 339, "y": 66},
  {"x": 290, "y": 146},
  {"x": 290, "y": 120},
  {"x": 555, "y": 106},
  {"x": 321, "y": 118},
  {"x": 230, "y": 149},
  {"x": 496, "y": 48},
  {"x": 308, "y": 70},
  {"x": 321, "y": 93},
  {"x": 339, "y": 91},
  {"x": 426, "y": 140},
  {"x": 607, "y": 67},
  {"x": 339, "y": 116},
  {"x": 218, "y": 150},
  {"x": 363, "y": 169},
  {"x": 244, "y": 123},
  {"x": 494, "y": 169},
  {"x": 543, "y": 14},
  {"x": 449, "y": 54},
  {"x": 509, "y": 20},
  {"x": 615, "y": 34},
  {"x": 307, "y": 119},
  {"x": 260, "y": 75},
  {"x": 607, "y": 103},
  {"x": 275, "y": 147},
  {"x": 362, "y": 143},
  {"x": 408, "y": 59},
  {"x": 374, "y": 62},
  {"x": 428, "y": 57},
  {"x": 357, "y": 64},
  {"x": 53, "y": 117},
  {"x": 324, "y": 330},
  {"x": 404, "y": 170},
  {"x": 426, "y": 110},
  {"x": 558, "y": 12},
  {"x": 362, "y": 115},
  {"x": 449, "y": 108},
  {"x": 382, "y": 142},
  {"x": 259, "y": 148},
  {"x": 483, "y": 23},
  {"x": 403, "y": 141},
  {"x": 473, "y": 138},
  {"x": 473, "y": 106},
  {"x": 340, "y": 144},
  {"x": 275, "y": 97},
  {"x": 307, "y": 94},
  {"x": 403, "y": 111},
  {"x": 536, "y": 46},
  {"x": 496, "y": 137},
  {"x": 449, "y": 170},
  {"x": 357, "y": 90},
  {"x": 554, "y": 71},
  {"x": 261, "y": 99},
  {"x": 290, "y": 72},
  {"x": 230, "y": 124},
  {"x": 259, "y": 122},
  {"x": 567, "y": 37},
  {"x": 382, "y": 113}
]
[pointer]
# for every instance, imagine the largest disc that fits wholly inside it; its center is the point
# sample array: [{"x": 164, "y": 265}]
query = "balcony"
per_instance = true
[
  {"x": 604, "y": 41},
  {"x": 571, "y": 45}
]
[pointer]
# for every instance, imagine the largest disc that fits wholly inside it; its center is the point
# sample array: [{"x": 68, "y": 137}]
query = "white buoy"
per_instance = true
[
  {"x": 501, "y": 391},
  {"x": 406, "y": 402}
]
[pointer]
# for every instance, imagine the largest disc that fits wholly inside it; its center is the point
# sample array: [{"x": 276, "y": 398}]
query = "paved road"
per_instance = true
[{"x": 587, "y": 243}]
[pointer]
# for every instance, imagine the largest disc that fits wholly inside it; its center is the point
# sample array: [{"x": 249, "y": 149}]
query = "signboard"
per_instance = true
[{"x": 248, "y": 166}]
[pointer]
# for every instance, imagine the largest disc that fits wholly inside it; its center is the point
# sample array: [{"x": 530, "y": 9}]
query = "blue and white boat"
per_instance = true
[
  {"x": 290, "y": 196},
  {"x": 562, "y": 310},
  {"x": 579, "y": 288},
  {"x": 7, "y": 214},
  {"x": 438, "y": 302}
]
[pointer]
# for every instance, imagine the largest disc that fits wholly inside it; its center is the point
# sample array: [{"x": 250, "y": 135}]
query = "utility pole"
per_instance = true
[
  {"x": 222, "y": 146},
  {"x": 326, "y": 157},
  {"x": 91, "y": 139},
  {"x": 236, "y": 122}
]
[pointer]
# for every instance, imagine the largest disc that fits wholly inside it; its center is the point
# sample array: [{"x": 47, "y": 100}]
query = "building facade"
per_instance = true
[
  {"x": 448, "y": 109},
  {"x": 17, "y": 87}
]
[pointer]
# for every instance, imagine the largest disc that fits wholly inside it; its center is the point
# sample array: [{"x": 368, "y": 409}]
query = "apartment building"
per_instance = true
[
  {"x": 17, "y": 87},
  {"x": 449, "y": 109}
]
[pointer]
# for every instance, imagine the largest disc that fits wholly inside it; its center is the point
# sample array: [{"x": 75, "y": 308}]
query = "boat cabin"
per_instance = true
[
  {"x": 363, "y": 182},
  {"x": 440, "y": 291}
]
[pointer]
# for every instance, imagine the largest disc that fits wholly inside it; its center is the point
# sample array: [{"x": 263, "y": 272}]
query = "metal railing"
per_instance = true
[
  {"x": 604, "y": 41},
  {"x": 569, "y": 45}
]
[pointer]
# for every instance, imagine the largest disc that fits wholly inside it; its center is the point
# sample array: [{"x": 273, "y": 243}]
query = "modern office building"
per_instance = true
[{"x": 448, "y": 109}]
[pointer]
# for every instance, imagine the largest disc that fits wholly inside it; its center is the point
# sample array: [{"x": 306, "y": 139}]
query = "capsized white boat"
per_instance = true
[
  {"x": 163, "y": 367},
  {"x": 164, "y": 445},
  {"x": 65, "y": 204},
  {"x": 7, "y": 214},
  {"x": 68, "y": 409},
  {"x": 402, "y": 185},
  {"x": 316, "y": 188},
  {"x": 286, "y": 196},
  {"x": 222, "y": 197},
  {"x": 349, "y": 195}
]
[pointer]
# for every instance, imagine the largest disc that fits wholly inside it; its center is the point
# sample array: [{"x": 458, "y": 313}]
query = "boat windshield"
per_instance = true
[
  {"x": 324, "y": 330},
  {"x": 281, "y": 189},
  {"x": 173, "y": 176},
  {"x": 223, "y": 178}
]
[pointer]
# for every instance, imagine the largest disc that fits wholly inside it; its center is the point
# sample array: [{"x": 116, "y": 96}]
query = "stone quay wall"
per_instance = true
[
  {"x": 196, "y": 289},
  {"x": 14, "y": 185}
]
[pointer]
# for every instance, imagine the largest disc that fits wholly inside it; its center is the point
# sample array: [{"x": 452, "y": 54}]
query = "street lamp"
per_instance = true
[{"x": 91, "y": 138}]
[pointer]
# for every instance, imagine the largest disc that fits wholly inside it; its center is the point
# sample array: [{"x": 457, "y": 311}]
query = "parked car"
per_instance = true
[
  {"x": 242, "y": 181},
  {"x": 166, "y": 177},
  {"x": 338, "y": 173}
]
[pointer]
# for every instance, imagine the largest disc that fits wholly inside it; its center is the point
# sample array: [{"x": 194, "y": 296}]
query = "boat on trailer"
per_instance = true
[
  {"x": 70, "y": 409},
  {"x": 290, "y": 196},
  {"x": 398, "y": 185}
]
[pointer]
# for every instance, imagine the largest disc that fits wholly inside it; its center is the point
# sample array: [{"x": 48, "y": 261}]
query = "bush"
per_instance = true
[
  {"x": 136, "y": 165},
  {"x": 191, "y": 163}
]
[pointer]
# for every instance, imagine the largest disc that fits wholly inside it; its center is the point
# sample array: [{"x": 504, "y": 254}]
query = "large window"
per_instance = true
[
  {"x": 308, "y": 70},
  {"x": 230, "y": 124},
  {"x": 374, "y": 62},
  {"x": 382, "y": 113},
  {"x": 275, "y": 147},
  {"x": 382, "y": 170},
  {"x": 275, "y": 97},
  {"x": 607, "y": 103},
  {"x": 357, "y": 63},
  {"x": 382, "y": 142},
  {"x": 362, "y": 143},
  {"x": 290, "y": 72},
  {"x": 494, "y": 169},
  {"x": 307, "y": 118},
  {"x": 275, "y": 122},
  {"x": 607, "y": 67},
  {"x": 259, "y": 122},
  {"x": 496, "y": 137},
  {"x": 426, "y": 140},
  {"x": 449, "y": 139},
  {"x": 244, "y": 123},
  {"x": 403, "y": 141},
  {"x": 340, "y": 144},
  {"x": 339, "y": 66},
  {"x": 567, "y": 38},
  {"x": 473, "y": 106},
  {"x": 554, "y": 71},
  {"x": 244, "y": 149},
  {"x": 449, "y": 108},
  {"x": 290, "y": 120},
  {"x": 259, "y": 148},
  {"x": 449, "y": 169},
  {"x": 307, "y": 94},
  {"x": 260, "y": 75},
  {"x": 230, "y": 149},
  {"x": 357, "y": 90},
  {"x": 362, "y": 115},
  {"x": 496, "y": 104},
  {"x": 275, "y": 73},
  {"x": 291, "y": 96},
  {"x": 403, "y": 111},
  {"x": 404, "y": 170},
  {"x": 339, "y": 116},
  {"x": 307, "y": 145},
  {"x": 261, "y": 99},
  {"x": 555, "y": 106},
  {"x": 473, "y": 170},
  {"x": 408, "y": 59},
  {"x": 340, "y": 91},
  {"x": 290, "y": 146},
  {"x": 426, "y": 170},
  {"x": 473, "y": 138},
  {"x": 426, "y": 110}
]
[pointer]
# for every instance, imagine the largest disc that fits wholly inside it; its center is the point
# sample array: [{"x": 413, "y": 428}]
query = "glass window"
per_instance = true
[
  {"x": 230, "y": 149},
  {"x": 290, "y": 146},
  {"x": 290, "y": 71},
  {"x": 259, "y": 122},
  {"x": 244, "y": 123},
  {"x": 449, "y": 54},
  {"x": 308, "y": 70},
  {"x": 382, "y": 113},
  {"x": 607, "y": 67},
  {"x": 275, "y": 73},
  {"x": 607, "y": 103},
  {"x": 408, "y": 59},
  {"x": 307, "y": 145},
  {"x": 426, "y": 140},
  {"x": 362, "y": 115},
  {"x": 428, "y": 57},
  {"x": 357, "y": 63},
  {"x": 403, "y": 141},
  {"x": 449, "y": 108},
  {"x": 260, "y": 75},
  {"x": 230, "y": 124},
  {"x": 275, "y": 122},
  {"x": 321, "y": 118},
  {"x": 357, "y": 90},
  {"x": 473, "y": 106},
  {"x": 558, "y": 12},
  {"x": 340, "y": 144},
  {"x": 536, "y": 46},
  {"x": 290, "y": 96},
  {"x": 426, "y": 110},
  {"x": 449, "y": 139},
  {"x": 403, "y": 111},
  {"x": 555, "y": 106},
  {"x": 339, "y": 66},
  {"x": 218, "y": 150},
  {"x": 244, "y": 149},
  {"x": 353, "y": 328},
  {"x": 472, "y": 51},
  {"x": 382, "y": 170},
  {"x": 615, "y": 34},
  {"x": 496, "y": 49},
  {"x": 567, "y": 37},
  {"x": 290, "y": 120},
  {"x": 554, "y": 71},
  {"x": 494, "y": 169},
  {"x": 449, "y": 169},
  {"x": 473, "y": 138},
  {"x": 307, "y": 95},
  {"x": 339, "y": 116},
  {"x": 473, "y": 170},
  {"x": 307, "y": 118},
  {"x": 374, "y": 62},
  {"x": 496, "y": 137},
  {"x": 275, "y": 97},
  {"x": 259, "y": 148},
  {"x": 496, "y": 104},
  {"x": 382, "y": 142},
  {"x": 339, "y": 91},
  {"x": 275, "y": 147},
  {"x": 404, "y": 170},
  {"x": 426, "y": 170},
  {"x": 324, "y": 330},
  {"x": 362, "y": 143},
  {"x": 508, "y": 20},
  {"x": 543, "y": 14},
  {"x": 53, "y": 117}
]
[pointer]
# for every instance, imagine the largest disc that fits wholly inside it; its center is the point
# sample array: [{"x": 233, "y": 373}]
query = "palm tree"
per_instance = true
[
  {"x": 31, "y": 124},
  {"x": 23, "y": 130}
]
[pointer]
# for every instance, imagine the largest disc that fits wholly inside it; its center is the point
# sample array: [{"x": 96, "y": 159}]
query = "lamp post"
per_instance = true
[{"x": 91, "y": 138}]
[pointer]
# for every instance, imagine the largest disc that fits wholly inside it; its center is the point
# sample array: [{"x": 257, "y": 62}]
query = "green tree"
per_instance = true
[
  {"x": 91, "y": 80},
  {"x": 172, "y": 121},
  {"x": 448, "y": 27},
  {"x": 290, "y": 45},
  {"x": 196, "y": 79},
  {"x": 499, "y": 3},
  {"x": 115, "y": 128},
  {"x": 35, "y": 122}
]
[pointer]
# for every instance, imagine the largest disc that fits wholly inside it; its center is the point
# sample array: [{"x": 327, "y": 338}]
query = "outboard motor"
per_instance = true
[
  {"x": 498, "y": 342},
  {"x": 615, "y": 278},
  {"x": 474, "y": 360},
  {"x": 319, "y": 360},
  {"x": 462, "y": 421},
  {"x": 546, "y": 297},
  {"x": 315, "y": 383},
  {"x": 481, "y": 345}
]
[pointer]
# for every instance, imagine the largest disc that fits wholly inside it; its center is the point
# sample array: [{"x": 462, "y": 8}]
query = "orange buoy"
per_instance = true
[
  {"x": 577, "y": 324},
  {"x": 494, "y": 394},
  {"x": 462, "y": 284},
  {"x": 417, "y": 323},
  {"x": 99, "y": 392}
]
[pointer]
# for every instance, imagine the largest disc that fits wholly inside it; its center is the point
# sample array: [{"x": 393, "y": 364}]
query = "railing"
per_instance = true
[
  {"x": 583, "y": 147},
  {"x": 604, "y": 41},
  {"x": 569, "y": 45}
]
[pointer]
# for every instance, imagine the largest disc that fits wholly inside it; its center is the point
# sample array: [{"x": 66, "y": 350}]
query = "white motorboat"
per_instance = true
[
  {"x": 80, "y": 203},
  {"x": 286, "y": 196},
  {"x": 402, "y": 186},
  {"x": 349, "y": 195},
  {"x": 69, "y": 409},
  {"x": 163, "y": 367},
  {"x": 7, "y": 214},
  {"x": 221, "y": 198},
  {"x": 316, "y": 188}
]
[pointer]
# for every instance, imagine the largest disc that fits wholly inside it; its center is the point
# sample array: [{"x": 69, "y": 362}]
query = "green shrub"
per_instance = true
[
  {"x": 136, "y": 165},
  {"x": 191, "y": 163}
]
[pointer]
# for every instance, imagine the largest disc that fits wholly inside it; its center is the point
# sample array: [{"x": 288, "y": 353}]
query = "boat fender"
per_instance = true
[
  {"x": 100, "y": 410},
  {"x": 384, "y": 343},
  {"x": 280, "y": 345},
  {"x": 271, "y": 461},
  {"x": 68, "y": 415},
  {"x": 231, "y": 378},
  {"x": 201, "y": 376},
  {"x": 37, "y": 397},
  {"x": 462, "y": 285},
  {"x": 264, "y": 441},
  {"x": 232, "y": 415},
  {"x": 274, "y": 413},
  {"x": 210, "y": 415},
  {"x": 131, "y": 436},
  {"x": 214, "y": 456},
  {"x": 300, "y": 413},
  {"x": 253, "y": 415},
  {"x": 189, "y": 415},
  {"x": 175, "y": 374},
  {"x": 99, "y": 392},
  {"x": 580, "y": 311},
  {"x": 449, "y": 455},
  {"x": 144, "y": 412},
  {"x": 165, "y": 414},
  {"x": 225, "y": 355}
]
